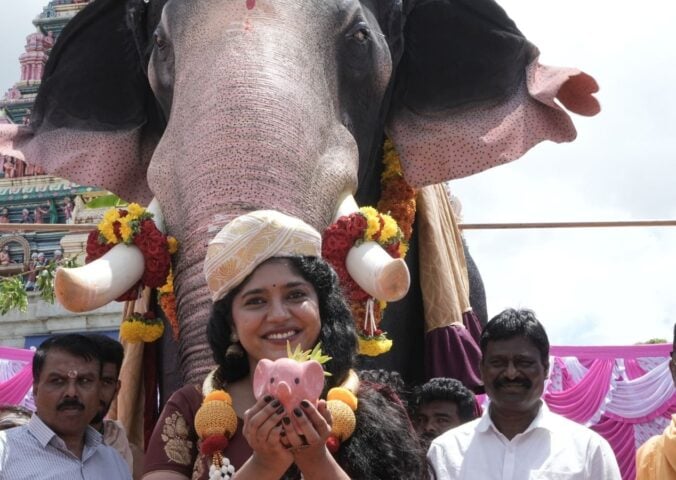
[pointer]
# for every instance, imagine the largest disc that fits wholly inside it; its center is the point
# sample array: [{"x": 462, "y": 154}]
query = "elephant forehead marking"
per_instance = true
[{"x": 250, "y": 4}]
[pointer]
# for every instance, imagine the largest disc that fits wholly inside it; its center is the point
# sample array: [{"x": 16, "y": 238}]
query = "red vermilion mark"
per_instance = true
[{"x": 250, "y": 4}]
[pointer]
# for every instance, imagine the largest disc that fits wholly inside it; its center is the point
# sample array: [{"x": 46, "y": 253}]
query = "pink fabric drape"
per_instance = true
[
  {"x": 607, "y": 389},
  {"x": 582, "y": 401},
  {"x": 14, "y": 389}
]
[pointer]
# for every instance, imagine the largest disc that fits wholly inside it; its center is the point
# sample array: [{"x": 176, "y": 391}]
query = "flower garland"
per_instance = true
[
  {"x": 166, "y": 296},
  {"x": 139, "y": 327},
  {"x": 349, "y": 230},
  {"x": 133, "y": 225},
  {"x": 391, "y": 231}
]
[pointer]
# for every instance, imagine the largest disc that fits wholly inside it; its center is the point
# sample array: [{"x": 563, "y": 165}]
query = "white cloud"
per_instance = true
[{"x": 590, "y": 286}]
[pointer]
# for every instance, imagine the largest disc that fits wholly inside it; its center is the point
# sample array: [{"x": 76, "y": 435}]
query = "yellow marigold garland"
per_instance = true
[{"x": 141, "y": 328}]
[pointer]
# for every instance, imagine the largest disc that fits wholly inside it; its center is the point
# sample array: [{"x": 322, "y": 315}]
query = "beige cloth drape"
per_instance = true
[
  {"x": 129, "y": 405},
  {"x": 443, "y": 268}
]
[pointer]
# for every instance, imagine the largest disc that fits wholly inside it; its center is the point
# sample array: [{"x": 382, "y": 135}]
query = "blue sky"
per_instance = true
[{"x": 589, "y": 287}]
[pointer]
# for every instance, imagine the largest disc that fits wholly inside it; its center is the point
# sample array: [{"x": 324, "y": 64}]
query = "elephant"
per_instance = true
[{"x": 219, "y": 107}]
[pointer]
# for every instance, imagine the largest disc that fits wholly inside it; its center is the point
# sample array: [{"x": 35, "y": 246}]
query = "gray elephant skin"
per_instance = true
[{"x": 219, "y": 107}]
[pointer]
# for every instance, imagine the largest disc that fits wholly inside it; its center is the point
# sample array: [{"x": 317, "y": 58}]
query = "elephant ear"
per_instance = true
[
  {"x": 261, "y": 377},
  {"x": 94, "y": 121},
  {"x": 470, "y": 94}
]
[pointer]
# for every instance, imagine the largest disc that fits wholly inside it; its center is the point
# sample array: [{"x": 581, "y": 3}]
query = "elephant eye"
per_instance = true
[
  {"x": 297, "y": 380},
  {"x": 159, "y": 41},
  {"x": 272, "y": 380},
  {"x": 360, "y": 33}
]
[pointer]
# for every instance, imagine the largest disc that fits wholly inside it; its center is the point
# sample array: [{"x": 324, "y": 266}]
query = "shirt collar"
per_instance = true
[
  {"x": 543, "y": 419},
  {"x": 44, "y": 434}
]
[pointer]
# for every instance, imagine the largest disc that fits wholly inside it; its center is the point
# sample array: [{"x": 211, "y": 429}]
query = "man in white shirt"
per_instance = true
[
  {"x": 58, "y": 442},
  {"x": 518, "y": 437}
]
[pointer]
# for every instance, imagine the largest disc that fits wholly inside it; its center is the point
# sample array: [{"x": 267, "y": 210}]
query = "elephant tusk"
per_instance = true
[
  {"x": 378, "y": 274},
  {"x": 91, "y": 286}
]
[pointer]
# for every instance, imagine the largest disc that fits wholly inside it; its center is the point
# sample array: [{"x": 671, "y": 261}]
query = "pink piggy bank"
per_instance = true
[{"x": 290, "y": 381}]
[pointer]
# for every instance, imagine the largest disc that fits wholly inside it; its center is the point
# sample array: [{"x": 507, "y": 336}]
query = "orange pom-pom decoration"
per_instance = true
[
  {"x": 221, "y": 395},
  {"x": 344, "y": 421},
  {"x": 215, "y": 417},
  {"x": 345, "y": 396}
]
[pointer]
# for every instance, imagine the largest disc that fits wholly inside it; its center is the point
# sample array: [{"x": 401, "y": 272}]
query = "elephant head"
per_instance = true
[{"x": 219, "y": 107}]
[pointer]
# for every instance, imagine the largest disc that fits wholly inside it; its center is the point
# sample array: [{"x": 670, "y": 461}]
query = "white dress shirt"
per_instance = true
[
  {"x": 34, "y": 451},
  {"x": 552, "y": 448}
]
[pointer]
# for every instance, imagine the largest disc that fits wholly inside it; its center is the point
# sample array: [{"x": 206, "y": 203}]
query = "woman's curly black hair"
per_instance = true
[
  {"x": 337, "y": 335},
  {"x": 384, "y": 444}
]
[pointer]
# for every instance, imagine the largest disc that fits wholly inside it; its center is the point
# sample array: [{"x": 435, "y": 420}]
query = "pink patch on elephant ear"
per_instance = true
[
  {"x": 313, "y": 380},
  {"x": 570, "y": 86},
  {"x": 458, "y": 143},
  {"x": 262, "y": 377},
  {"x": 116, "y": 161}
]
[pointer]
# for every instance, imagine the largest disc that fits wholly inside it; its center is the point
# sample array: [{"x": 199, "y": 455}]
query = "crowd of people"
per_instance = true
[
  {"x": 283, "y": 292},
  {"x": 44, "y": 213}
]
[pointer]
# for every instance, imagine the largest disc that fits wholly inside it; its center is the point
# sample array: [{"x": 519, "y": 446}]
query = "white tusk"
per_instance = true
[
  {"x": 91, "y": 286},
  {"x": 380, "y": 275}
]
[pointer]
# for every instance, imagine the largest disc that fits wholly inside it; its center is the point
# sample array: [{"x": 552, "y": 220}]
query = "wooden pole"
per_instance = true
[{"x": 524, "y": 225}]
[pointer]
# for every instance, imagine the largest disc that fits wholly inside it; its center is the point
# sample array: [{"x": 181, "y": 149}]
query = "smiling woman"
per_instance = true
[{"x": 270, "y": 289}]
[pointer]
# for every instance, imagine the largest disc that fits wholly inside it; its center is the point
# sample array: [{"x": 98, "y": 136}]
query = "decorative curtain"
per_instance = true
[
  {"x": 16, "y": 377},
  {"x": 626, "y": 394}
]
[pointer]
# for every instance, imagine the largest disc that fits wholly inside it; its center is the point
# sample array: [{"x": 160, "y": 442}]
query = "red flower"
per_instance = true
[
  {"x": 357, "y": 225},
  {"x": 95, "y": 249}
]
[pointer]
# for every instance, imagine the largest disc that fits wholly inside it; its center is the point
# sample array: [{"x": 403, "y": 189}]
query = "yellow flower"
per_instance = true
[
  {"x": 172, "y": 245},
  {"x": 372, "y": 222},
  {"x": 108, "y": 232},
  {"x": 390, "y": 230},
  {"x": 373, "y": 347},
  {"x": 152, "y": 332},
  {"x": 126, "y": 232},
  {"x": 403, "y": 249},
  {"x": 135, "y": 210},
  {"x": 135, "y": 330},
  {"x": 130, "y": 331},
  {"x": 391, "y": 162},
  {"x": 168, "y": 287},
  {"x": 111, "y": 216}
]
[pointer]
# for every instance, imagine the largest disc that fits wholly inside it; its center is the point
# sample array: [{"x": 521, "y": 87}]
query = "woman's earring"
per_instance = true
[{"x": 234, "y": 350}]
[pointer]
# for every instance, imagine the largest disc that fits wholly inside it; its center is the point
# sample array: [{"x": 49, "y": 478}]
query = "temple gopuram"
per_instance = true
[{"x": 38, "y": 212}]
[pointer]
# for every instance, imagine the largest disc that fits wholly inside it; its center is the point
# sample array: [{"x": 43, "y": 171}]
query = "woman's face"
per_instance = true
[{"x": 275, "y": 306}]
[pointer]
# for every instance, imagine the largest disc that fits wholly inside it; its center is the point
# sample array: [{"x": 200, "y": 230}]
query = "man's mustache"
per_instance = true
[
  {"x": 503, "y": 382},
  {"x": 70, "y": 404}
]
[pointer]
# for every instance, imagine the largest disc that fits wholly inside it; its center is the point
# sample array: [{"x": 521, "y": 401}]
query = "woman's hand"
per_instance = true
[
  {"x": 263, "y": 430},
  {"x": 307, "y": 442},
  {"x": 308, "y": 431}
]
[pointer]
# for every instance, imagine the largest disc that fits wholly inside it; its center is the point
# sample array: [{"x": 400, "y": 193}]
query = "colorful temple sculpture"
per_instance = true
[{"x": 29, "y": 197}]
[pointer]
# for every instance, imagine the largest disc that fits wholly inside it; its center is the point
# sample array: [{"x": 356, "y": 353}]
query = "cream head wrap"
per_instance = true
[{"x": 249, "y": 240}]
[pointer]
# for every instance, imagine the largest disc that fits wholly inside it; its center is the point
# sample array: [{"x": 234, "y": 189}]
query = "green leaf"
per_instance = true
[
  {"x": 13, "y": 296},
  {"x": 105, "y": 201}
]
